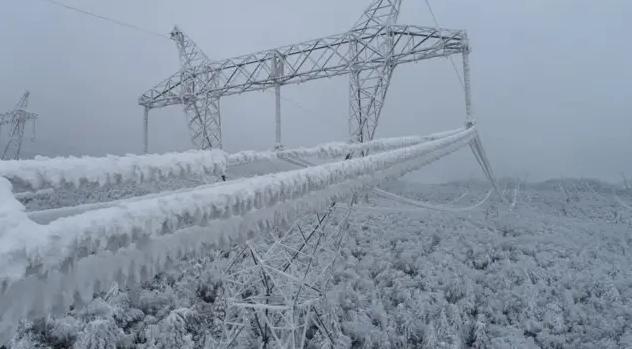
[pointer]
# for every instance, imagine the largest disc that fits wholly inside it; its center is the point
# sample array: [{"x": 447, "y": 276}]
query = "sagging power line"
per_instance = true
[{"x": 107, "y": 19}]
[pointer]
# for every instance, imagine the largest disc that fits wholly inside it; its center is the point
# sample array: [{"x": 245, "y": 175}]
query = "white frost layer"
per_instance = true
[
  {"x": 135, "y": 240},
  {"x": 55, "y": 172}
]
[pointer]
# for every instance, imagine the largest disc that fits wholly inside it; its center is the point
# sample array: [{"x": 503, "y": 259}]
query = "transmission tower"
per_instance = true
[
  {"x": 16, "y": 120},
  {"x": 368, "y": 87},
  {"x": 368, "y": 53}
]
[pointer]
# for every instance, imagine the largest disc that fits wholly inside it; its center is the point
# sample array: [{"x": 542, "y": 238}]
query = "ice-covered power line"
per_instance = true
[
  {"x": 432, "y": 14},
  {"x": 107, "y": 19},
  {"x": 234, "y": 210},
  {"x": 429, "y": 206},
  {"x": 436, "y": 22},
  {"x": 58, "y": 172}
]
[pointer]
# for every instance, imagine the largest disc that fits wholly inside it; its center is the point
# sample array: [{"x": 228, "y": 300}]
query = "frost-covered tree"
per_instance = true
[
  {"x": 170, "y": 332},
  {"x": 430, "y": 337},
  {"x": 480, "y": 340},
  {"x": 99, "y": 334},
  {"x": 47, "y": 332}
]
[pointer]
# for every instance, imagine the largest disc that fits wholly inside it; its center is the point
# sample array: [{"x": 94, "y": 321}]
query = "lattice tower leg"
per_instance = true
[
  {"x": 277, "y": 71},
  {"x": 14, "y": 145},
  {"x": 368, "y": 87},
  {"x": 146, "y": 130},
  {"x": 205, "y": 122},
  {"x": 367, "y": 94}
]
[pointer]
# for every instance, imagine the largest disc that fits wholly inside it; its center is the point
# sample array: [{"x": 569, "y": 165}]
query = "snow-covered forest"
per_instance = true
[{"x": 548, "y": 268}]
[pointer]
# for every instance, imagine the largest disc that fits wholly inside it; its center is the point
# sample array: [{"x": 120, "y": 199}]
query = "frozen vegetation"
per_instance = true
[{"x": 548, "y": 268}]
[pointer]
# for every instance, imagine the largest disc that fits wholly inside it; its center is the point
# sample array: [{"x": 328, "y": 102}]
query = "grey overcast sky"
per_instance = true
[{"x": 552, "y": 79}]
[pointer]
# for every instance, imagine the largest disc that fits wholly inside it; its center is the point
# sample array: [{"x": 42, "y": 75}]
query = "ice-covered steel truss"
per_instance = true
[
  {"x": 368, "y": 53},
  {"x": 16, "y": 120}
]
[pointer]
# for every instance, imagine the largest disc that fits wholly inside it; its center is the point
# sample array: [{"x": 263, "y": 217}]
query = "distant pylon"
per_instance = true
[{"x": 16, "y": 119}]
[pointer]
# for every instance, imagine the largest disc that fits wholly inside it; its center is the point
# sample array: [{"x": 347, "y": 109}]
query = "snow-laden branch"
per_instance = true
[{"x": 43, "y": 172}]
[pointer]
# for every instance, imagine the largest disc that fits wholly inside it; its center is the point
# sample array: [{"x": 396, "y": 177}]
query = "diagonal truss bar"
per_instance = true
[{"x": 380, "y": 12}]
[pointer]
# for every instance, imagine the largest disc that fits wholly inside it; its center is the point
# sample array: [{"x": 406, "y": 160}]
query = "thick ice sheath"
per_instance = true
[
  {"x": 43, "y": 172},
  {"x": 134, "y": 240}
]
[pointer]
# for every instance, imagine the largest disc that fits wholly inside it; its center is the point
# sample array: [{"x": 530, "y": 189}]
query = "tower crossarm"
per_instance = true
[
  {"x": 315, "y": 59},
  {"x": 15, "y": 116}
]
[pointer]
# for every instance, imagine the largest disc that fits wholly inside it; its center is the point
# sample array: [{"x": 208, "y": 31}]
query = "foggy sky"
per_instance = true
[{"x": 552, "y": 80}]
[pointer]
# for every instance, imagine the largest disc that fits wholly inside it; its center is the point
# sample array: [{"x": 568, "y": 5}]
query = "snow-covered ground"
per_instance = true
[{"x": 548, "y": 268}]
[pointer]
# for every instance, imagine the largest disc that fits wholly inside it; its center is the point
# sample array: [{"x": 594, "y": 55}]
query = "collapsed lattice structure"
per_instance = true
[
  {"x": 280, "y": 284},
  {"x": 368, "y": 53}
]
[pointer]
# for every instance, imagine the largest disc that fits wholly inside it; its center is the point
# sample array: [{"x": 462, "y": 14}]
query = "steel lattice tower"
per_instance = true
[
  {"x": 368, "y": 53},
  {"x": 202, "y": 110},
  {"x": 368, "y": 87},
  {"x": 16, "y": 119}
]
